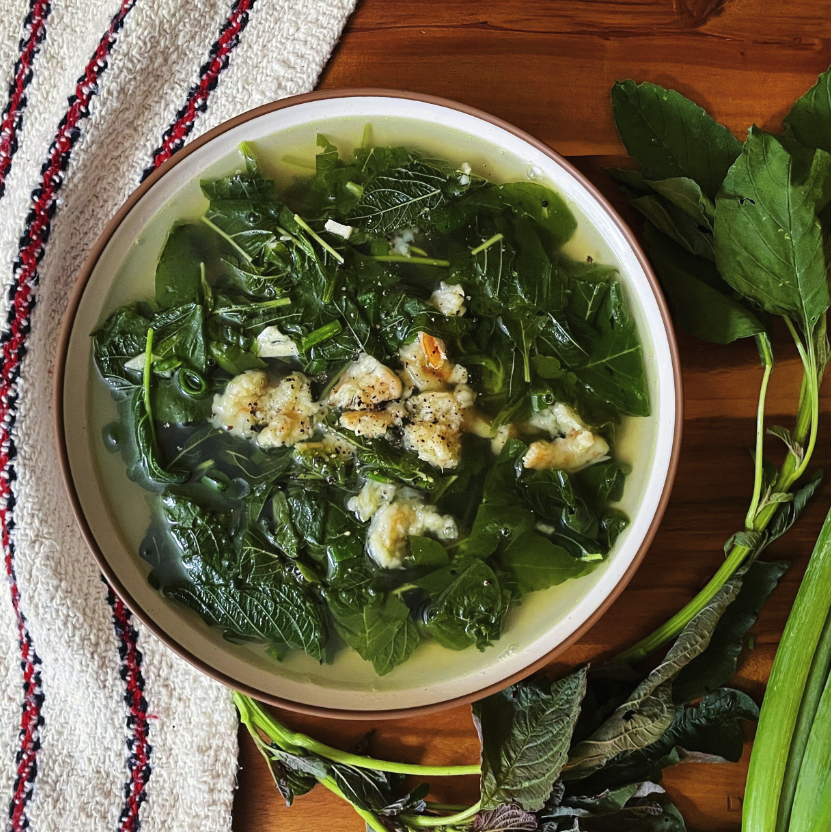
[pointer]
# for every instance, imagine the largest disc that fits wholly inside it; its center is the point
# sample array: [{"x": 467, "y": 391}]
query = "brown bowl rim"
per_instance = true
[{"x": 60, "y": 367}]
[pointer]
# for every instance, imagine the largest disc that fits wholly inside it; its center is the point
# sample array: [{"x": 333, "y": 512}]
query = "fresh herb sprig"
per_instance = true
[
  {"x": 738, "y": 236},
  {"x": 589, "y": 748}
]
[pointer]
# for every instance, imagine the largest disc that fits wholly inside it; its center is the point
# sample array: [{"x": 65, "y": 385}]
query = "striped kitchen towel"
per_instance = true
[{"x": 101, "y": 726}]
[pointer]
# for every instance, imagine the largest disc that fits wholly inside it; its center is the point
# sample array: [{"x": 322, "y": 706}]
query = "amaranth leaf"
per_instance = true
[{"x": 810, "y": 116}]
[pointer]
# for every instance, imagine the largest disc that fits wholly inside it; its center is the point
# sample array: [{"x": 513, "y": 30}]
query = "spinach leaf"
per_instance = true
[
  {"x": 614, "y": 370},
  {"x": 180, "y": 333},
  {"x": 379, "y": 627},
  {"x": 547, "y": 208},
  {"x": 810, "y": 117},
  {"x": 703, "y": 303},
  {"x": 466, "y": 604},
  {"x": 250, "y": 185},
  {"x": 769, "y": 244},
  {"x": 537, "y": 563},
  {"x": 179, "y": 270},
  {"x": 671, "y": 136},
  {"x": 505, "y": 818},
  {"x": 525, "y": 732},
  {"x": 122, "y": 338}
]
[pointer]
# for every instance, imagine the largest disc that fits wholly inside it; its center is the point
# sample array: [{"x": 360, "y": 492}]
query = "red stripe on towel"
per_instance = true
[
  {"x": 12, "y": 352},
  {"x": 138, "y": 747},
  {"x": 34, "y": 33},
  {"x": 174, "y": 137}
]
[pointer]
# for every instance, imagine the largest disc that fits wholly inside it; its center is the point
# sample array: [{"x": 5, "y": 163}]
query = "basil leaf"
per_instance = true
[
  {"x": 810, "y": 116},
  {"x": 769, "y": 243},
  {"x": 525, "y": 733},
  {"x": 671, "y": 136}
]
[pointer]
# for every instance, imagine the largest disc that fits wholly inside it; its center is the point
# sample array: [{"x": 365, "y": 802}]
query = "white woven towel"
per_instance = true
[{"x": 101, "y": 726}]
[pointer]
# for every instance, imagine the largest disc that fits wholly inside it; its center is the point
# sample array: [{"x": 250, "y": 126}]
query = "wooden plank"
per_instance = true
[{"x": 548, "y": 66}]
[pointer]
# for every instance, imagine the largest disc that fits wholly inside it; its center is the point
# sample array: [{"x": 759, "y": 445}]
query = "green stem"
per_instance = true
[
  {"x": 806, "y": 419},
  {"x": 425, "y": 822},
  {"x": 283, "y": 736},
  {"x": 444, "y": 807},
  {"x": 148, "y": 363},
  {"x": 763, "y": 343},
  {"x": 400, "y": 258},
  {"x": 230, "y": 240},
  {"x": 371, "y": 821},
  {"x": 309, "y": 230},
  {"x": 487, "y": 244}
]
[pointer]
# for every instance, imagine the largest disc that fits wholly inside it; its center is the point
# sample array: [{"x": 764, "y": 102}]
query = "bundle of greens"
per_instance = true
[
  {"x": 739, "y": 235},
  {"x": 583, "y": 754},
  {"x": 314, "y": 394}
]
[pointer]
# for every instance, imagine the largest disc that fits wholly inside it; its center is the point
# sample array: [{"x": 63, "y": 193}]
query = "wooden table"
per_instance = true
[{"x": 547, "y": 66}]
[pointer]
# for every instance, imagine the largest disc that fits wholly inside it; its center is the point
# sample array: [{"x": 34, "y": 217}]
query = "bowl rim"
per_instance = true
[{"x": 58, "y": 411}]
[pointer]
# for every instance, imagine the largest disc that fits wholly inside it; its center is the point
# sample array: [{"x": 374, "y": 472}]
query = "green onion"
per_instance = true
[
  {"x": 148, "y": 364},
  {"x": 812, "y": 801},
  {"x": 309, "y": 230},
  {"x": 487, "y": 244},
  {"x": 191, "y": 383},
  {"x": 321, "y": 334},
  {"x": 355, "y": 189},
  {"x": 786, "y": 689},
  {"x": 400, "y": 258}
]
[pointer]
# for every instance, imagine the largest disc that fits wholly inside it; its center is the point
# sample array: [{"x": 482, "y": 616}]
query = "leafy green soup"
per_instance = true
[{"x": 374, "y": 406}]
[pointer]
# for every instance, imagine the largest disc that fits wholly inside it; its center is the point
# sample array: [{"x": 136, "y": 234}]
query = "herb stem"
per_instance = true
[
  {"x": 230, "y": 240},
  {"x": 487, "y": 244},
  {"x": 296, "y": 741},
  {"x": 371, "y": 821},
  {"x": 422, "y": 821},
  {"x": 309, "y": 230},
  {"x": 400, "y": 258},
  {"x": 148, "y": 363},
  {"x": 763, "y": 343}
]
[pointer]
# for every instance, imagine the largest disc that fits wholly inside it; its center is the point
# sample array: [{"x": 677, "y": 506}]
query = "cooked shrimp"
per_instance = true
[
  {"x": 365, "y": 383},
  {"x": 426, "y": 366}
]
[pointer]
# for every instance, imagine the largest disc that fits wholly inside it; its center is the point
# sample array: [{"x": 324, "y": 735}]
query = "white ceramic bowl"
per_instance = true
[{"x": 113, "y": 512}]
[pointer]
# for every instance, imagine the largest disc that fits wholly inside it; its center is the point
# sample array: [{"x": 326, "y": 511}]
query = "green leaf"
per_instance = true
[
  {"x": 676, "y": 225},
  {"x": 428, "y": 552},
  {"x": 537, "y": 563},
  {"x": 399, "y": 197},
  {"x": 379, "y": 627},
  {"x": 769, "y": 242},
  {"x": 525, "y": 733},
  {"x": 717, "y": 664},
  {"x": 671, "y": 136},
  {"x": 614, "y": 370},
  {"x": 700, "y": 298},
  {"x": 788, "y": 513},
  {"x": 122, "y": 337},
  {"x": 650, "y": 709},
  {"x": 466, "y": 604},
  {"x": 179, "y": 272},
  {"x": 547, "y": 208},
  {"x": 810, "y": 116}
]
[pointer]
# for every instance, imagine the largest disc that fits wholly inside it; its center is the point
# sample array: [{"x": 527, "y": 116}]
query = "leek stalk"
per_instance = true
[{"x": 786, "y": 689}]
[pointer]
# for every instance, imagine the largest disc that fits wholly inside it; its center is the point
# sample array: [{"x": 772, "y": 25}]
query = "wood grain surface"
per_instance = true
[{"x": 547, "y": 66}]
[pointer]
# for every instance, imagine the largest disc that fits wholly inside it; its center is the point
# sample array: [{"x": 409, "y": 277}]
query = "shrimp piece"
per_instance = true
[
  {"x": 365, "y": 383},
  {"x": 426, "y": 366},
  {"x": 573, "y": 452}
]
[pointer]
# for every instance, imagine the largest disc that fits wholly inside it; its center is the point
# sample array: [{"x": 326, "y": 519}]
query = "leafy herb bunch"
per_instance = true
[
  {"x": 738, "y": 234},
  {"x": 585, "y": 753}
]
